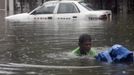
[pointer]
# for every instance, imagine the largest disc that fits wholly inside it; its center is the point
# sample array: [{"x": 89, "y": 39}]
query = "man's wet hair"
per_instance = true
[{"x": 84, "y": 37}]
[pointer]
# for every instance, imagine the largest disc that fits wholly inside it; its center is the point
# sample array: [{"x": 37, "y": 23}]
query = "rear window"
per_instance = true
[{"x": 88, "y": 6}]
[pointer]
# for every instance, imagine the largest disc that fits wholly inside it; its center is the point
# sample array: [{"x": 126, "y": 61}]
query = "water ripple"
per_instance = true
[{"x": 52, "y": 66}]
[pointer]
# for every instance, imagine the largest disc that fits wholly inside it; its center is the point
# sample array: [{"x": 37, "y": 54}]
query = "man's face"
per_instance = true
[{"x": 85, "y": 46}]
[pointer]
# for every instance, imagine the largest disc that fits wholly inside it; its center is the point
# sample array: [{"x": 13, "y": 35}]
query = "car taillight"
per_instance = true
[
  {"x": 103, "y": 17},
  {"x": 109, "y": 16}
]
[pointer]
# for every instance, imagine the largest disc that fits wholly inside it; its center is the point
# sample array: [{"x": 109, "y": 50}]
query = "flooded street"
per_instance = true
[{"x": 41, "y": 48}]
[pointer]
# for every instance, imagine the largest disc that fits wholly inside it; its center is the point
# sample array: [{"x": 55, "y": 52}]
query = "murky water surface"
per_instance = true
[{"x": 44, "y": 48}]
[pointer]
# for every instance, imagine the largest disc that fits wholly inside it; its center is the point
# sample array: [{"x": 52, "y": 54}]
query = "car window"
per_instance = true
[
  {"x": 67, "y": 8},
  {"x": 45, "y": 9},
  {"x": 87, "y": 6}
]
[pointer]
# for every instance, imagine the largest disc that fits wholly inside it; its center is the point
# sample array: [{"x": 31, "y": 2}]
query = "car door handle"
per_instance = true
[
  {"x": 49, "y": 17},
  {"x": 74, "y": 16}
]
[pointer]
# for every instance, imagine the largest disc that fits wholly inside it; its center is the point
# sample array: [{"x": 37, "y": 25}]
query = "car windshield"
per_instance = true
[
  {"x": 87, "y": 6},
  {"x": 47, "y": 8}
]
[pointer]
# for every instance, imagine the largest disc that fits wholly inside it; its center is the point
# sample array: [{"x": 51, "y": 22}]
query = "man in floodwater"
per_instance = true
[
  {"x": 85, "y": 43},
  {"x": 116, "y": 53}
]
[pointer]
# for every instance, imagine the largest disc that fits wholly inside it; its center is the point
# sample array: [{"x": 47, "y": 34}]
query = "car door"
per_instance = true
[
  {"x": 44, "y": 13},
  {"x": 67, "y": 12}
]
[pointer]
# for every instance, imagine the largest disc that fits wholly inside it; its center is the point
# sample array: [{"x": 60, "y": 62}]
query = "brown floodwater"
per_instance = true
[{"x": 44, "y": 48}]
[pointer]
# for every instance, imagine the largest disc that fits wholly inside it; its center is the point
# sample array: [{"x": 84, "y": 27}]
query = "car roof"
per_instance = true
[
  {"x": 56, "y": 2},
  {"x": 61, "y": 1}
]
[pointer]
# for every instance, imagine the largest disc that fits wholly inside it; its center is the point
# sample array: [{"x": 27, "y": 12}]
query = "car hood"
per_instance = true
[{"x": 17, "y": 17}]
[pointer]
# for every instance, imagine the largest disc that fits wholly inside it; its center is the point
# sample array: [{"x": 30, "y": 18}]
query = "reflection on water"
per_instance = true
[{"x": 44, "y": 48}]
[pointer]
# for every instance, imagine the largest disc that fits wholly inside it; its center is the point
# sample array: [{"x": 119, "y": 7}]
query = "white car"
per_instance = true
[{"x": 54, "y": 11}]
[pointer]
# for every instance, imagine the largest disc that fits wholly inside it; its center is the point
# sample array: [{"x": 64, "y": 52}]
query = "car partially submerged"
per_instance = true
[{"x": 61, "y": 11}]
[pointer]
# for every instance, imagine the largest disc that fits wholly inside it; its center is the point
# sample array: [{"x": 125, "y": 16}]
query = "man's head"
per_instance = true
[{"x": 85, "y": 42}]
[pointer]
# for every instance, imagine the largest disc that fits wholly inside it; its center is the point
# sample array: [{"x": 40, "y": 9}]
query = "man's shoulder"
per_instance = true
[
  {"x": 93, "y": 52},
  {"x": 76, "y": 51}
]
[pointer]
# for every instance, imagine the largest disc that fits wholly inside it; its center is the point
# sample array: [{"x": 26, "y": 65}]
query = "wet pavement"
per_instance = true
[{"x": 44, "y": 48}]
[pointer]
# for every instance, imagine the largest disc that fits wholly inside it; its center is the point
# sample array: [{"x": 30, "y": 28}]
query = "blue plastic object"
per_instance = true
[{"x": 117, "y": 53}]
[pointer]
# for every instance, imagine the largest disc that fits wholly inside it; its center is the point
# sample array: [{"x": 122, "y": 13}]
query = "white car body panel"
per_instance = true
[{"x": 82, "y": 14}]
